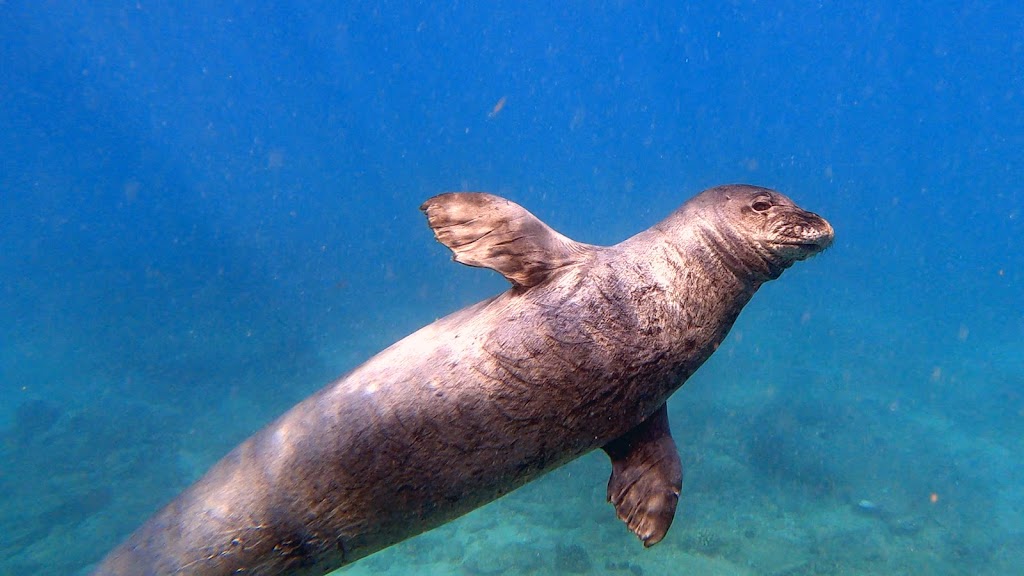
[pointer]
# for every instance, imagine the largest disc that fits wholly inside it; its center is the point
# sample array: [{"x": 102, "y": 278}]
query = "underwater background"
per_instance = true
[{"x": 207, "y": 212}]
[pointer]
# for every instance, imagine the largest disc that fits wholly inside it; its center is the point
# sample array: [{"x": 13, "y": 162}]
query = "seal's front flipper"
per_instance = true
[
  {"x": 491, "y": 232},
  {"x": 646, "y": 477}
]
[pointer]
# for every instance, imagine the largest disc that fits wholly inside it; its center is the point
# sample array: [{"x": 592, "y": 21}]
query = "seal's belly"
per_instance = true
[
  {"x": 415, "y": 452},
  {"x": 432, "y": 428}
]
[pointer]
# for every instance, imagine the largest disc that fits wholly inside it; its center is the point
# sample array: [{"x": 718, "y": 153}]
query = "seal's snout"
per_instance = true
[
  {"x": 799, "y": 234},
  {"x": 817, "y": 233}
]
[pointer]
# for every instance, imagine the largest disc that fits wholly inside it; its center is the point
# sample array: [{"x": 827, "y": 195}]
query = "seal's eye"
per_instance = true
[{"x": 761, "y": 205}]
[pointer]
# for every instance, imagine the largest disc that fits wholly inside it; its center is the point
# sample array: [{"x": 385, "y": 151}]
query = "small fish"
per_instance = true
[
  {"x": 497, "y": 107},
  {"x": 867, "y": 505}
]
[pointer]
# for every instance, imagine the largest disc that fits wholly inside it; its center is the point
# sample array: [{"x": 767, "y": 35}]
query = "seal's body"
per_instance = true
[{"x": 581, "y": 353}]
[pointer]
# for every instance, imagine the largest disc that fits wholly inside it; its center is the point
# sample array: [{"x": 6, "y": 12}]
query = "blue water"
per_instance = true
[{"x": 206, "y": 213}]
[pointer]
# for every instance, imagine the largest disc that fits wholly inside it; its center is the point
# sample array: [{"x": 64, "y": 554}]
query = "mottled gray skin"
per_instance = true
[{"x": 581, "y": 353}]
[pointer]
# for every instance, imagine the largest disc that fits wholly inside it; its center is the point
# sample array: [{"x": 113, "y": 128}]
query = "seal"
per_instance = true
[{"x": 581, "y": 353}]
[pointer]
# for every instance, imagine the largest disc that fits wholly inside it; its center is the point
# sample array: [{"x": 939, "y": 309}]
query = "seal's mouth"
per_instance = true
[
  {"x": 809, "y": 247},
  {"x": 814, "y": 246}
]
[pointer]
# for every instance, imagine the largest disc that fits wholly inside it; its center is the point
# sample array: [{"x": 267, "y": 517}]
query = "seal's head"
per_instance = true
[{"x": 755, "y": 230}]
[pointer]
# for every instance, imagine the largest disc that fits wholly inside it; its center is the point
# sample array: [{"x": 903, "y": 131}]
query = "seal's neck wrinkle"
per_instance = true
[
  {"x": 698, "y": 266},
  {"x": 698, "y": 295},
  {"x": 735, "y": 254}
]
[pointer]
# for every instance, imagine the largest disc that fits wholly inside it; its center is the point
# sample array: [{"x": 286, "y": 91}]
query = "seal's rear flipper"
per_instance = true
[
  {"x": 646, "y": 477},
  {"x": 491, "y": 232}
]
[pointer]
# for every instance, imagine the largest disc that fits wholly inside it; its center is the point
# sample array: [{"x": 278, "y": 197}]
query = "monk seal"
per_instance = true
[{"x": 581, "y": 352}]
